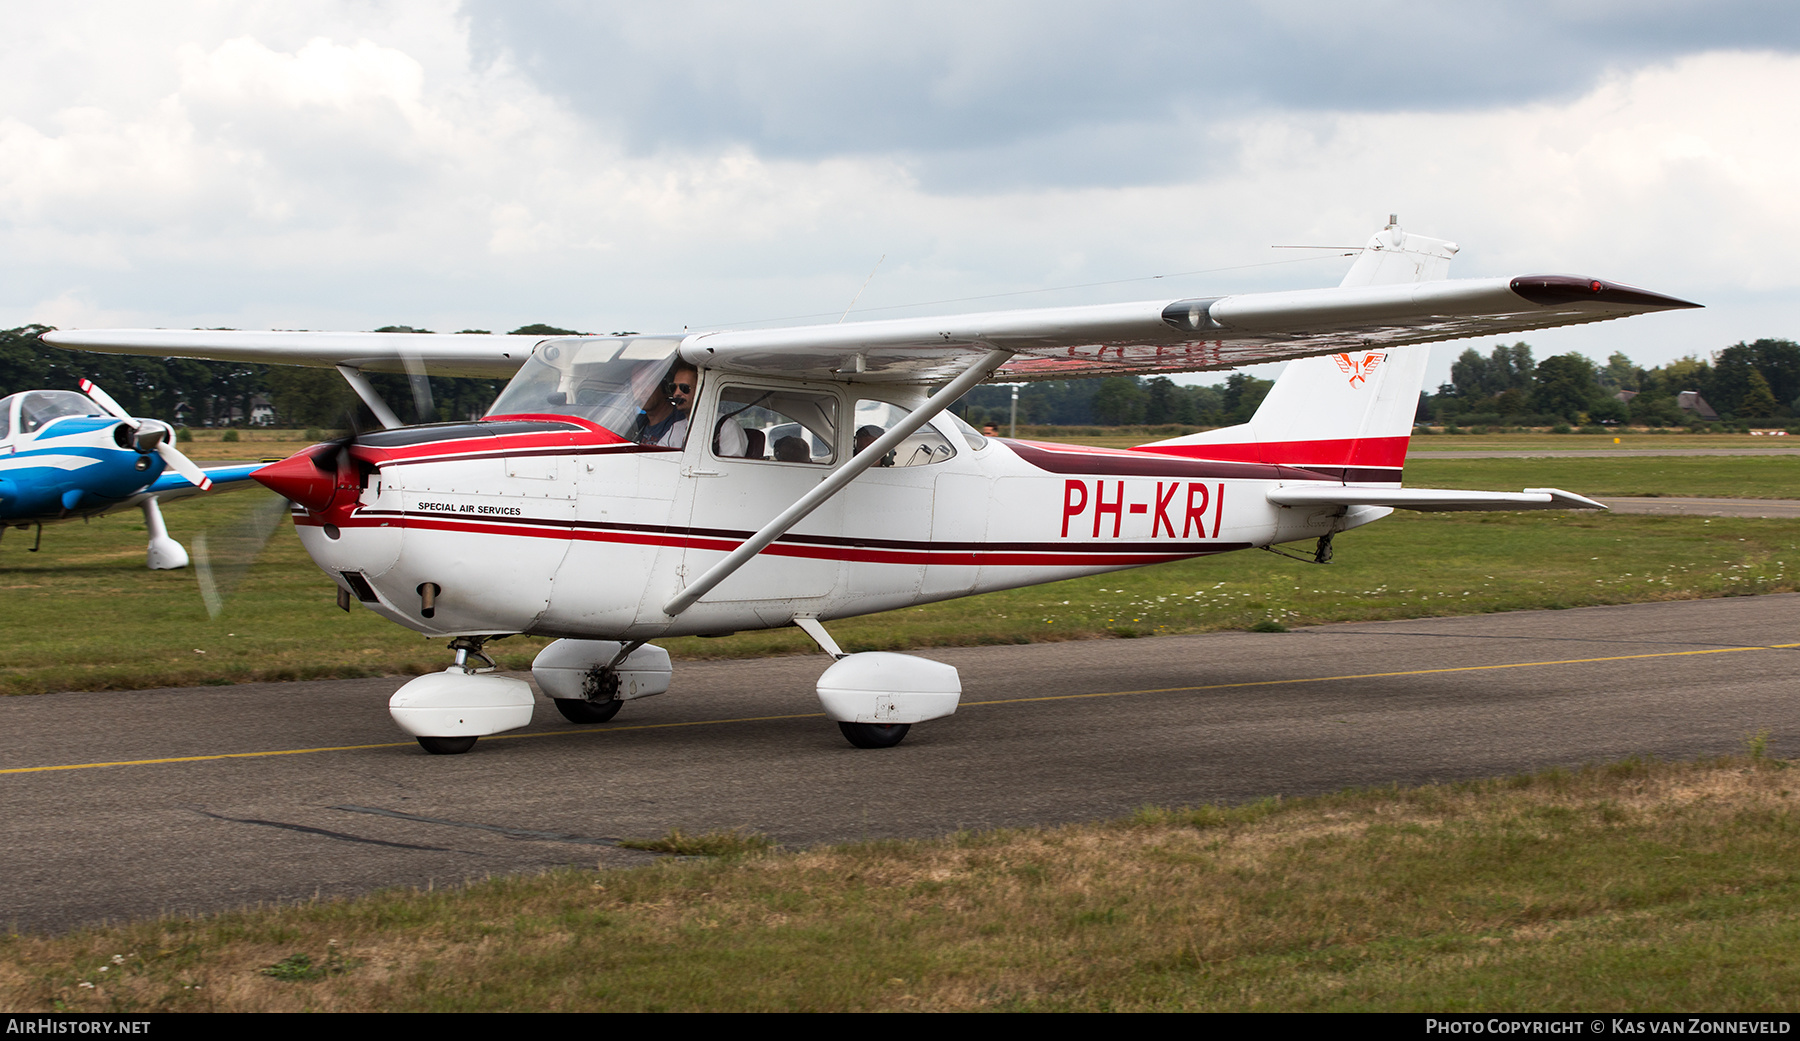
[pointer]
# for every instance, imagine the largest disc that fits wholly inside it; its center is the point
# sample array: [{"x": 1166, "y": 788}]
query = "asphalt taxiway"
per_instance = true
[{"x": 125, "y": 804}]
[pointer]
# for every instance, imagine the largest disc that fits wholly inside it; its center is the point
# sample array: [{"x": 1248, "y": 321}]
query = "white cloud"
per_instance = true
[{"x": 251, "y": 167}]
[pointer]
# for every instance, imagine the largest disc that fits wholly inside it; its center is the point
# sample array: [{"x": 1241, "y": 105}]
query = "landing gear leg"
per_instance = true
[
  {"x": 165, "y": 554},
  {"x": 467, "y": 647}
]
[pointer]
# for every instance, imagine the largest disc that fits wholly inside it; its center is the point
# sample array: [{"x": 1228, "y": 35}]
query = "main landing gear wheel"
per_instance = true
[
  {"x": 446, "y": 745},
  {"x": 871, "y": 735},
  {"x": 588, "y": 711}
]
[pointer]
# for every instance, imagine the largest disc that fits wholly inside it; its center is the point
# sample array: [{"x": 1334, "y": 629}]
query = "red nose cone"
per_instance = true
[{"x": 307, "y": 477}]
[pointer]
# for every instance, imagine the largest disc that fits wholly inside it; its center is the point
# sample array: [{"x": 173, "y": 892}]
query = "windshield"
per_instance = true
[
  {"x": 37, "y": 407},
  {"x": 608, "y": 381}
]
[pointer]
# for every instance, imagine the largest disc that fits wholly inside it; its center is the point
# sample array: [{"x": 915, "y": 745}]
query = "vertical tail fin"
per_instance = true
[{"x": 1349, "y": 414}]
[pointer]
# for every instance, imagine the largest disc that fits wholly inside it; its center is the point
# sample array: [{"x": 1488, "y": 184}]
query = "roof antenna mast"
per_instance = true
[{"x": 859, "y": 292}]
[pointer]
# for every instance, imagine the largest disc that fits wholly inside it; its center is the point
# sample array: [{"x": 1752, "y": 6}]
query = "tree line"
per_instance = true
[
  {"x": 1747, "y": 383},
  {"x": 1118, "y": 401},
  {"x": 1755, "y": 382}
]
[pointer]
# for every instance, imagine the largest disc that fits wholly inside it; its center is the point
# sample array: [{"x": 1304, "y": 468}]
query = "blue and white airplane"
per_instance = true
[{"x": 65, "y": 455}]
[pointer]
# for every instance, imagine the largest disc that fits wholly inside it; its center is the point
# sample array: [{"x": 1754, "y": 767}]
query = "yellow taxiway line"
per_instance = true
[{"x": 970, "y": 704}]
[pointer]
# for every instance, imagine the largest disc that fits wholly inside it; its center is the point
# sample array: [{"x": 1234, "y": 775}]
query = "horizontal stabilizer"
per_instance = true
[{"x": 1432, "y": 500}]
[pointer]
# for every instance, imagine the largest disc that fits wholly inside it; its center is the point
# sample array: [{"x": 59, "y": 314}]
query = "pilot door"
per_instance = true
[
  {"x": 756, "y": 450},
  {"x": 623, "y": 537}
]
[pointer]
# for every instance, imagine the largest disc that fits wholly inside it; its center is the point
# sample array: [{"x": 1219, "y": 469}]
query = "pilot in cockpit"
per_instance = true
[
  {"x": 668, "y": 415},
  {"x": 664, "y": 421}
]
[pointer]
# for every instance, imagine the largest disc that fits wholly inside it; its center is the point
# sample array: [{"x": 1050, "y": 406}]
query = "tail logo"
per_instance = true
[{"x": 1359, "y": 369}]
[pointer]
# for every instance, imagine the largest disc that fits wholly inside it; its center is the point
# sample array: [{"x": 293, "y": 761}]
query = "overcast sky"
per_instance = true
[{"x": 650, "y": 167}]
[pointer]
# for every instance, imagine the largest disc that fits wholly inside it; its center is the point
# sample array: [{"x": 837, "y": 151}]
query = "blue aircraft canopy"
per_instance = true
[{"x": 37, "y": 407}]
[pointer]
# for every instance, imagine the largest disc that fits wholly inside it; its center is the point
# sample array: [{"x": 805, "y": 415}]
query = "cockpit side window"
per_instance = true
[{"x": 6, "y": 411}]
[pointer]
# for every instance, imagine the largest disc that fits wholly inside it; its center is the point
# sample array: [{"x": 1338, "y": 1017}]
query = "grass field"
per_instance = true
[
  {"x": 1731, "y": 477},
  {"x": 1634, "y": 886},
  {"x": 1633, "y": 440},
  {"x": 85, "y": 614}
]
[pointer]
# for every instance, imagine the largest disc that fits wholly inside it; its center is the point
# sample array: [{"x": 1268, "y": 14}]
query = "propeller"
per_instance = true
[
  {"x": 149, "y": 436},
  {"x": 423, "y": 408},
  {"x": 311, "y": 478},
  {"x": 222, "y": 557}
]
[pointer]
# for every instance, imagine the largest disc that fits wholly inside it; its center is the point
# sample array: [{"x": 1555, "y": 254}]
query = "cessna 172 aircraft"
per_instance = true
[
  {"x": 626, "y": 488},
  {"x": 65, "y": 455}
]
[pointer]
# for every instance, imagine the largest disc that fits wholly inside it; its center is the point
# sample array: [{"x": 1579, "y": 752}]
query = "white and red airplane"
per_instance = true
[{"x": 627, "y": 488}]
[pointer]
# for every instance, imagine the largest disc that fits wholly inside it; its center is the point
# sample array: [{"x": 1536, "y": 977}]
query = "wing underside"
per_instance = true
[
  {"x": 1141, "y": 338},
  {"x": 1175, "y": 336}
]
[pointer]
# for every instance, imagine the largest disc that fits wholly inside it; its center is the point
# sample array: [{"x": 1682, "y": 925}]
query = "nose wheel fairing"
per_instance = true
[{"x": 458, "y": 704}]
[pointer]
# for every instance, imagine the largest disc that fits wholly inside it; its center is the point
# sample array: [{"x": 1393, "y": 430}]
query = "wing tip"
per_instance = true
[{"x": 1559, "y": 290}]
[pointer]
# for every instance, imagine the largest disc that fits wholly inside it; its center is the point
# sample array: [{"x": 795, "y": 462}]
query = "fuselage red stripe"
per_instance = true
[
  {"x": 1041, "y": 554},
  {"x": 1358, "y": 451}
]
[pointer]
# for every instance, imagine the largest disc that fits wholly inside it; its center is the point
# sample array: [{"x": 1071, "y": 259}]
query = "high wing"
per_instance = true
[
  {"x": 1167, "y": 336},
  {"x": 459, "y": 354},
  {"x": 1372, "y": 309}
]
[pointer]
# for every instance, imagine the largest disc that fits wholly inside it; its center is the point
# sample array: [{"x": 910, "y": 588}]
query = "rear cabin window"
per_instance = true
[
  {"x": 922, "y": 448},
  {"x": 778, "y": 426}
]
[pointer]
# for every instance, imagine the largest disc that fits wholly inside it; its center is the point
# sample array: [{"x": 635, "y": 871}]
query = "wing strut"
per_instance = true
[
  {"x": 836, "y": 481},
  {"x": 360, "y": 383}
]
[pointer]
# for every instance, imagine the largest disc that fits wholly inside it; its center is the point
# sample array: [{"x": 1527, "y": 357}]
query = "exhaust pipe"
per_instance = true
[{"x": 428, "y": 594}]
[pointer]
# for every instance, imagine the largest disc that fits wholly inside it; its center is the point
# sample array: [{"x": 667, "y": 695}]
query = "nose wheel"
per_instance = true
[
  {"x": 446, "y": 745},
  {"x": 874, "y": 735}
]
